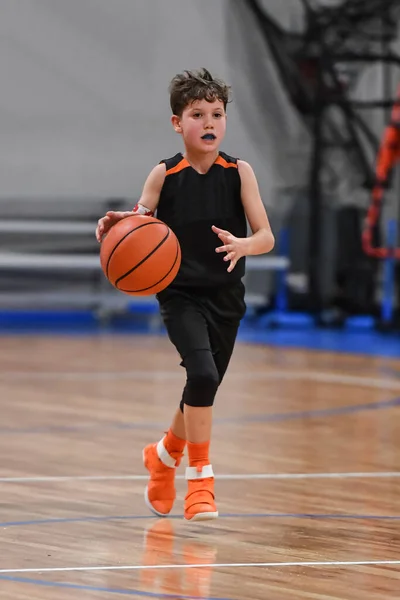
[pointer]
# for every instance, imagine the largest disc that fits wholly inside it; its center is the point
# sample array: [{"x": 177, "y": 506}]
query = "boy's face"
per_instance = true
[{"x": 202, "y": 125}]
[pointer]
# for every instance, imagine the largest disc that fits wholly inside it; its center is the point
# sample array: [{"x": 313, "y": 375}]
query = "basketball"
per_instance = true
[{"x": 140, "y": 255}]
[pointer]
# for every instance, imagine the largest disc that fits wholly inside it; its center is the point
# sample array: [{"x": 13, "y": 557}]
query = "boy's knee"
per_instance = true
[
  {"x": 200, "y": 390},
  {"x": 202, "y": 379}
]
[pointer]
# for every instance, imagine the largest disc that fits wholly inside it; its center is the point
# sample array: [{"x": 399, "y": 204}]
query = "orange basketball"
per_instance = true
[{"x": 140, "y": 255}]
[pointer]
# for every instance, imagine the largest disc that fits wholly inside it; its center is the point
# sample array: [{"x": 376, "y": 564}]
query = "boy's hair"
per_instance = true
[{"x": 189, "y": 86}]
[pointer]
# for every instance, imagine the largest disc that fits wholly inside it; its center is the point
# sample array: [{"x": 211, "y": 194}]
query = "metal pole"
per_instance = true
[{"x": 315, "y": 198}]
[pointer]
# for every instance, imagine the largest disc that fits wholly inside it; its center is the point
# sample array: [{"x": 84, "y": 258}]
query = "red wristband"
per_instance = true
[{"x": 139, "y": 209}]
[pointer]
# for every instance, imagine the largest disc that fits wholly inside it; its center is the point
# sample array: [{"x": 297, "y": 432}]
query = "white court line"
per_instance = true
[
  {"x": 351, "y": 563},
  {"x": 160, "y": 376},
  {"x": 226, "y": 477}
]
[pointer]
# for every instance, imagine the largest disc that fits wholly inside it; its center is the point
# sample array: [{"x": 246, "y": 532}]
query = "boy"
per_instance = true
[{"x": 204, "y": 195}]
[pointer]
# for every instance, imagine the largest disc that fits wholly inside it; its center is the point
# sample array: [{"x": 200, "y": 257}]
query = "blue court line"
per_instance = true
[
  {"x": 91, "y": 588},
  {"x": 79, "y": 520},
  {"x": 221, "y": 516},
  {"x": 265, "y": 418},
  {"x": 309, "y": 516}
]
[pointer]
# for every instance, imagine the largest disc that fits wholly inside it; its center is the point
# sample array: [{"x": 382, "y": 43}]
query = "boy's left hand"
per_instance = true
[{"x": 235, "y": 247}]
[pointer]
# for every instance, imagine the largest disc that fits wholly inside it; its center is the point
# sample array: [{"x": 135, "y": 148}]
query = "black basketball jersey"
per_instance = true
[{"x": 190, "y": 203}]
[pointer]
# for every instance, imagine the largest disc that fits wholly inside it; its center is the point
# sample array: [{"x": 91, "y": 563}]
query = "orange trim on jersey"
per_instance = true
[
  {"x": 224, "y": 163},
  {"x": 182, "y": 164}
]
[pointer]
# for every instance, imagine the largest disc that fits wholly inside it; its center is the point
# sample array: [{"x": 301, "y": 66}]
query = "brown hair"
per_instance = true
[{"x": 189, "y": 86}]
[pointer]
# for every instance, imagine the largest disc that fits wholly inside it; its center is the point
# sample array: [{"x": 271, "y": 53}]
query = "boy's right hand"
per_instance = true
[{"x": 105, "y": 223}]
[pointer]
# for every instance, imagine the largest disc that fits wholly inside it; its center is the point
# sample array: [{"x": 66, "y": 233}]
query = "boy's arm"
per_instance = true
[
  {"x": 146, "y": 205},
  {"x": 151, "y": 191},
  {"x": 262, "y": 239}
]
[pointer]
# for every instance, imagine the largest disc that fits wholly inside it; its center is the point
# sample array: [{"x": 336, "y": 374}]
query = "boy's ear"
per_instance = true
[{"x": 176, "y": 123}]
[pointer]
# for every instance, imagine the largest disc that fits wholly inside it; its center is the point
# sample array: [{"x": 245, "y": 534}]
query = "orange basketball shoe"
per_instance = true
[
  {"x": 160, "y": 492},
  {"x": 199, "y": 501}
]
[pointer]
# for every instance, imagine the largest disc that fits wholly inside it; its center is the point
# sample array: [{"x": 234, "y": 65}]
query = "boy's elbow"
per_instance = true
[{"x": 270, "y": 241}]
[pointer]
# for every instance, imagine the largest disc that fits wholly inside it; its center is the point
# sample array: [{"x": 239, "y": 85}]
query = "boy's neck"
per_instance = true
[{"x": 201, "y": 162}]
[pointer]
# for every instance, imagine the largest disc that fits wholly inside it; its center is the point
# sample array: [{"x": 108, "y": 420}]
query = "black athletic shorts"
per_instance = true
[{"x": 204, "y": 319}]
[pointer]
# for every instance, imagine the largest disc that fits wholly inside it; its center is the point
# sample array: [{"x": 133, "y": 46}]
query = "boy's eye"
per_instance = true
[{"x": 198, "y": 115}]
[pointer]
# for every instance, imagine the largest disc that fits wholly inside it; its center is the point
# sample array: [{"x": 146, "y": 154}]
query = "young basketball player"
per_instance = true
[{"x": 204, "y": 195}]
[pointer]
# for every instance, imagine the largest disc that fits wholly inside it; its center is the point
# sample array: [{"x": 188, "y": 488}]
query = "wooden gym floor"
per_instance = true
[{"x": 305, "y": 449}]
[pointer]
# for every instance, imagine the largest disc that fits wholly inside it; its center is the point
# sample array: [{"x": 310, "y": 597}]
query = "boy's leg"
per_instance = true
[
  {"x": 198, "y": 398},
  {"x": 178, "y": 424},
  {"x": 199, "y": 501},
  {"x": 161, "y": 460},
  {"x": 187, "y": 329},
  {"x": 205, "y": 349},
  {"x": 223, "y": 339}
]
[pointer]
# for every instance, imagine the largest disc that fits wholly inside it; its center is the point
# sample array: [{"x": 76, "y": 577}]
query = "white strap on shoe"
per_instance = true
[
  {"x": 193, "y": 473},
  {"x": 164, "y": 456}
]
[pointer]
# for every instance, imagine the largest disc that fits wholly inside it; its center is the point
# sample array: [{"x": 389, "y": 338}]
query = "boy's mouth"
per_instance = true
[{"x": 208, "y": 136}]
